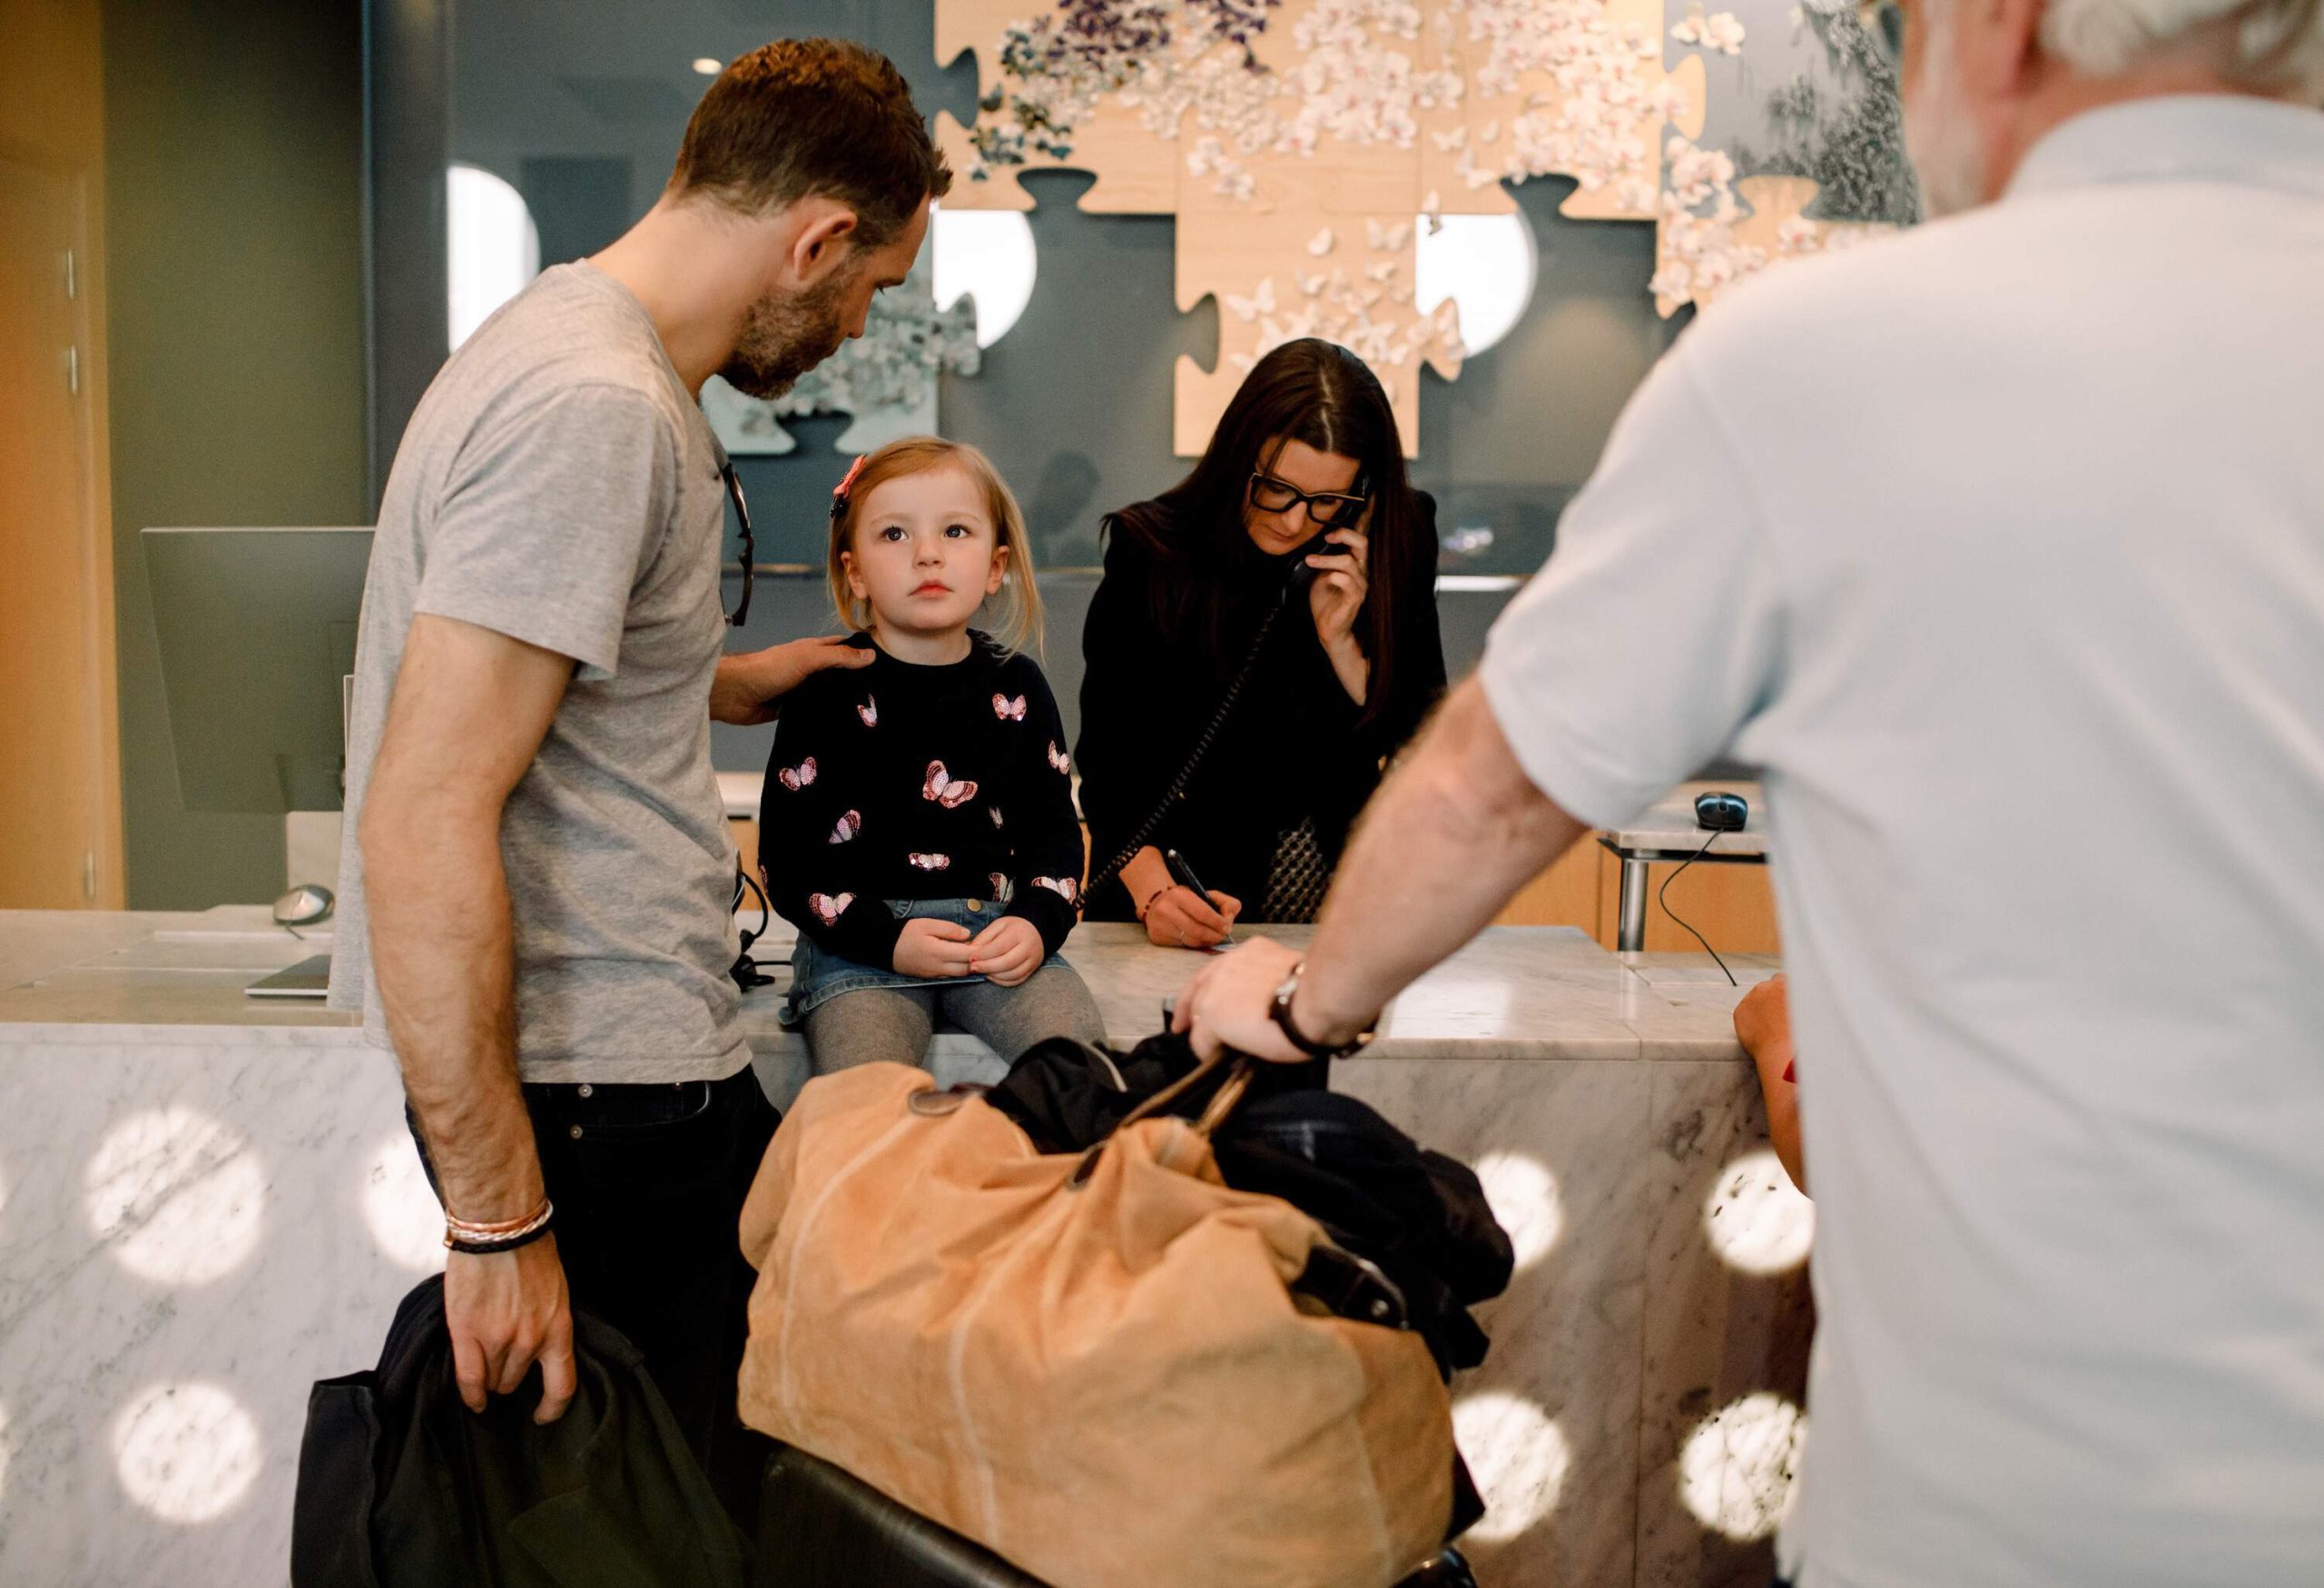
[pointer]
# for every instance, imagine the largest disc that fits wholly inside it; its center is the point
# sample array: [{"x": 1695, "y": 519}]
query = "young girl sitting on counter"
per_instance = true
[{"x": 917, "y": 823}]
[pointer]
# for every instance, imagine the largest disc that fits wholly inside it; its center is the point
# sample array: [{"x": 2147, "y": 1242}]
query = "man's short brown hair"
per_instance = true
[{"x": 802, "y": 117}]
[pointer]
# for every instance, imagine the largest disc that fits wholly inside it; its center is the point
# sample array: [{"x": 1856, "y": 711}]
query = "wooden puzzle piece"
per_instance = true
[
  {"x": 1736, "y": 228},
  {"x": 1297, "y": 156}
]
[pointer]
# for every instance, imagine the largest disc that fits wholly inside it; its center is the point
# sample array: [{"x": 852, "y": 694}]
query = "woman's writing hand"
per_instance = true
[
  {"x": 1335, "y": 597},
  {"x": 933, "y": 949},
  {"x": 1180, "y": 918},
  {"x": 1008, "y": 951}
]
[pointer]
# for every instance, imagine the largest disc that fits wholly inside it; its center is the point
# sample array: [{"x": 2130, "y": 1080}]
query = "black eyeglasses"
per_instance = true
[
  {"x": 750, "y": 549},
  {"x": 1270, "y": 495}
]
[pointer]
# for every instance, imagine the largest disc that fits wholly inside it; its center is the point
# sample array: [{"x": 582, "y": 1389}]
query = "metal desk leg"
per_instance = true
[{"x": 1630, "y": 929}]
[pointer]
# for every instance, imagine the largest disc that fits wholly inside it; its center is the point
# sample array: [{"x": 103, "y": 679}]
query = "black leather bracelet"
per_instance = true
[{"x": 1279, "y": 1009}]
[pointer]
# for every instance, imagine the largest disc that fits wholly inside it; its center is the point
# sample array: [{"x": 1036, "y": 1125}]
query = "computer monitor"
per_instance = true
[{"x": 257, "y": 629}]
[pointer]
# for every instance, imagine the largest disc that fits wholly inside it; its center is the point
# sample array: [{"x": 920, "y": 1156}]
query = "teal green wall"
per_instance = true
[{"x": 234, "y": 197}]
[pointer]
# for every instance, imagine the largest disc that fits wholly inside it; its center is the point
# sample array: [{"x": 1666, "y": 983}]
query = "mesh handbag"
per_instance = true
[{"x": 1298, "y": 877}]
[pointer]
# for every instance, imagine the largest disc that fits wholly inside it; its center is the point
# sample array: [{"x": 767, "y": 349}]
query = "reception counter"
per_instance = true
[{"x": 208, "y": 1201}]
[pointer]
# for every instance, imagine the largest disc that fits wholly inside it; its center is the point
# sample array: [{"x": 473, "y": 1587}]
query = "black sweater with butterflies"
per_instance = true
[{"x": 901, "y": 782}]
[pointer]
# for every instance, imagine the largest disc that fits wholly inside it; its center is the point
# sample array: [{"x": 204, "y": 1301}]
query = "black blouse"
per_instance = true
[
  {"x": 1296, "y": 745},
  {"x": 898, "y": 781}
]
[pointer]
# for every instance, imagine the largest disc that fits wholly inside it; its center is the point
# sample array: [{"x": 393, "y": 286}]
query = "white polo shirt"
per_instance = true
[{"x": 2000, "y": 547}]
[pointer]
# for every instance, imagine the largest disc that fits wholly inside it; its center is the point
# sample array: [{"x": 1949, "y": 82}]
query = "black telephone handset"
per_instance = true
[{"x": 1320, "y": 544}]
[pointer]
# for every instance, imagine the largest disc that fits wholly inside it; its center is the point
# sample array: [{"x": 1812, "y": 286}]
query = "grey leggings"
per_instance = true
[{"x": 896, "y": 1022}]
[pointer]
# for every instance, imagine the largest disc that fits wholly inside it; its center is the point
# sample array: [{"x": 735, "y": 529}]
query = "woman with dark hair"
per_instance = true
[{"x": 1295, "y": 570}]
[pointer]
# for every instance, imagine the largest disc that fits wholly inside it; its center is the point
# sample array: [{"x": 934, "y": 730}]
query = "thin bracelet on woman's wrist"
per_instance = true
[{"x": 1151, "y": 897}]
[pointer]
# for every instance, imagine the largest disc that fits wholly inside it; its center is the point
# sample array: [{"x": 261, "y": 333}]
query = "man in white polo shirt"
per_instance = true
[{"x": 2000, "y": 547}]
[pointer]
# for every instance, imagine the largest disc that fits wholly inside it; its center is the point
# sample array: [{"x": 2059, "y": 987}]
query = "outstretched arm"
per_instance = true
[
  {"x": 749, "y": 686},
  {"x": 1455, "y": 831}
]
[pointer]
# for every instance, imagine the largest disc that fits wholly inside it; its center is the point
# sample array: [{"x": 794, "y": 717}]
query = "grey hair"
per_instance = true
[{"x": 2280, "y": 43}]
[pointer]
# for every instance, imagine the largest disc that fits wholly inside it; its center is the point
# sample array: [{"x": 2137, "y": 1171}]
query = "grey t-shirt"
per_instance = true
[{"x": 560, "y": 486}]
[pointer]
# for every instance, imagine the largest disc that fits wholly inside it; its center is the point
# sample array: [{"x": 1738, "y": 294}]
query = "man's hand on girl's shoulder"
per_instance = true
[{"x": 750, "y": 686}]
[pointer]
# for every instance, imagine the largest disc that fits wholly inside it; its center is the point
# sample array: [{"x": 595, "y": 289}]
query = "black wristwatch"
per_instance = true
[{"x": 1279, "y": 1009}]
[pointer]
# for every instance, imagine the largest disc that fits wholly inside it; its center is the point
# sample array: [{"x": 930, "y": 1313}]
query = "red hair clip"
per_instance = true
[{"x": 840, "y": 492}]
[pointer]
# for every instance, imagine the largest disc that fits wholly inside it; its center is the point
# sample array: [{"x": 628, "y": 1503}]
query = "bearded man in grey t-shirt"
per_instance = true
[{"x": 536, "y": 901}]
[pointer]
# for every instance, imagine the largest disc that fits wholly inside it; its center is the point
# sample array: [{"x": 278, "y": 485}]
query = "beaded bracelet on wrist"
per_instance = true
[{"x": 461, "y": 1235}]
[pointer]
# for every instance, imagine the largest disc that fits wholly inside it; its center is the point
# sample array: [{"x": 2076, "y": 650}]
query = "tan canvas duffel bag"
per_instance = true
[{"x": 1093, "y": 1364}]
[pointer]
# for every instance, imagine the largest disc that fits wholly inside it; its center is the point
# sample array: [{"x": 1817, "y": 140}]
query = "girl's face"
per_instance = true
[
  {"x": 925, "y": 552},
  {"x": 1309, "y": 472}
]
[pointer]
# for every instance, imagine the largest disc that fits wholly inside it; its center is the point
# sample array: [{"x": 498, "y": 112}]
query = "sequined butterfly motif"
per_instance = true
[
  {"x": 946, "y": 789},
  {"x": 795, "y": 778},
  {"x": 1000, "y": 882},
  {"x": 869, "y": 711},
  {"x": 1008, "y": 710},
  {"x": 1059, "y": 759},
  {"x": 849, "y": 827},
  {"x": 1065, "y": 888},
  {"x": 928, "y": 863},
  {"x": 827, "y": 909}
]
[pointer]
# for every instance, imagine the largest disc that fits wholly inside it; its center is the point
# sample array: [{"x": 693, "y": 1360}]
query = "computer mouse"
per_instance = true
[
  {"x": 303, "y": 905},
  {"x": 1721, "y": 812}
]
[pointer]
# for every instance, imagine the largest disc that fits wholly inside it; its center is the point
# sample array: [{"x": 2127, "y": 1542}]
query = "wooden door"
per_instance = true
[{"x": 60, "y": 842}]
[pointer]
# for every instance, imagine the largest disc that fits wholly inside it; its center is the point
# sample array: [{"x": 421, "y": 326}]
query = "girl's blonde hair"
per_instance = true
[{"x": 1021, "y": 620}]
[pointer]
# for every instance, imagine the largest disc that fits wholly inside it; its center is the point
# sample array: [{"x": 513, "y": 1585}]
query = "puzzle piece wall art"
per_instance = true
[{"x": 1297, "y": 140}]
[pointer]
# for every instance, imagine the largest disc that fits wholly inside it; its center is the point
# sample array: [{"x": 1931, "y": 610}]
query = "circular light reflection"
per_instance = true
[
  {"x": 1737, "y": 1471},
  {"x": 1756, "y": 1218},
  {"x": 708, "y": 66},
  {"x": 176, "y": 1196},
  {"x": 186, "y": 1451},
  {"x": 405, "y": 1220},
  {"x": 493, "y": 249},
  {"x": 1518, "y": 1457},
  {"x": 1523, "y": 1194},
  {"x": 1485, "y": 263},
  {"x": 987, "y": 254}
]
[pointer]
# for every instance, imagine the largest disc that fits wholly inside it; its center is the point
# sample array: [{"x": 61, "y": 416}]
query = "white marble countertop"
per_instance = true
[{"x": 1516, "y": 993}]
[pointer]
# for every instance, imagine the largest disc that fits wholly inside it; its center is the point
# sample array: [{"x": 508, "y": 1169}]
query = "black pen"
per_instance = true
[{"x": 1184, "y": 874}]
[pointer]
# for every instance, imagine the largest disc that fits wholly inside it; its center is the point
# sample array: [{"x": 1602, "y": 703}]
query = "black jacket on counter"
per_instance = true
[
  {"x": 1296, "y": 745},
  {"x": 401, "y": 1484},
  {"x": 1420, "y": 1216}
]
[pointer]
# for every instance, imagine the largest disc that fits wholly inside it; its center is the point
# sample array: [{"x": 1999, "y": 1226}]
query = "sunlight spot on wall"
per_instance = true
[
  {"x": 1756, "y": 1221},
  {"x": 404, "y": 1218},
  {"x": 1523, "y": 1194},
  {"x": 186, "y": 1451},
  {"x": 987, "y": 254},
  {"x": 1518, "y": 1457},
  {"x": 176, "y": 1196},
  {"x": 1485, "y": 263},
  {"x": 493, "y": 248},
  {"x": 1737, "y": 1471}
]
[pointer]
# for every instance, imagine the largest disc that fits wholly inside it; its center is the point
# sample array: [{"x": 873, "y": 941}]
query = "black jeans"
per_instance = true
[{"x": 648, "y": 1182}]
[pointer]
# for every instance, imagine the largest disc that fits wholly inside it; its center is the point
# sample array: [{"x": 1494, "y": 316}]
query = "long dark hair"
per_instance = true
[{"x": 1322, "y": 395}]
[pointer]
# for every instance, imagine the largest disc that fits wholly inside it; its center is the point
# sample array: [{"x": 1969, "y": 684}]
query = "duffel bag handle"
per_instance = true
[{"x": 1222, "y": 1103}]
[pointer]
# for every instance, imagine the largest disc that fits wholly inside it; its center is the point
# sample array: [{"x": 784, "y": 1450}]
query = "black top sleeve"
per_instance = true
[
  {"x": 1044, "y": 836},
  {"x": 1124, "y": 757},
  {"x": 817, "y": 873}
]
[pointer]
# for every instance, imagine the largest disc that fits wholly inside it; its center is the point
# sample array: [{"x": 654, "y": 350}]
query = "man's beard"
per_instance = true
[
  {"x": 784, "y": 337},
  {"x": 1940, "y": 135}
]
